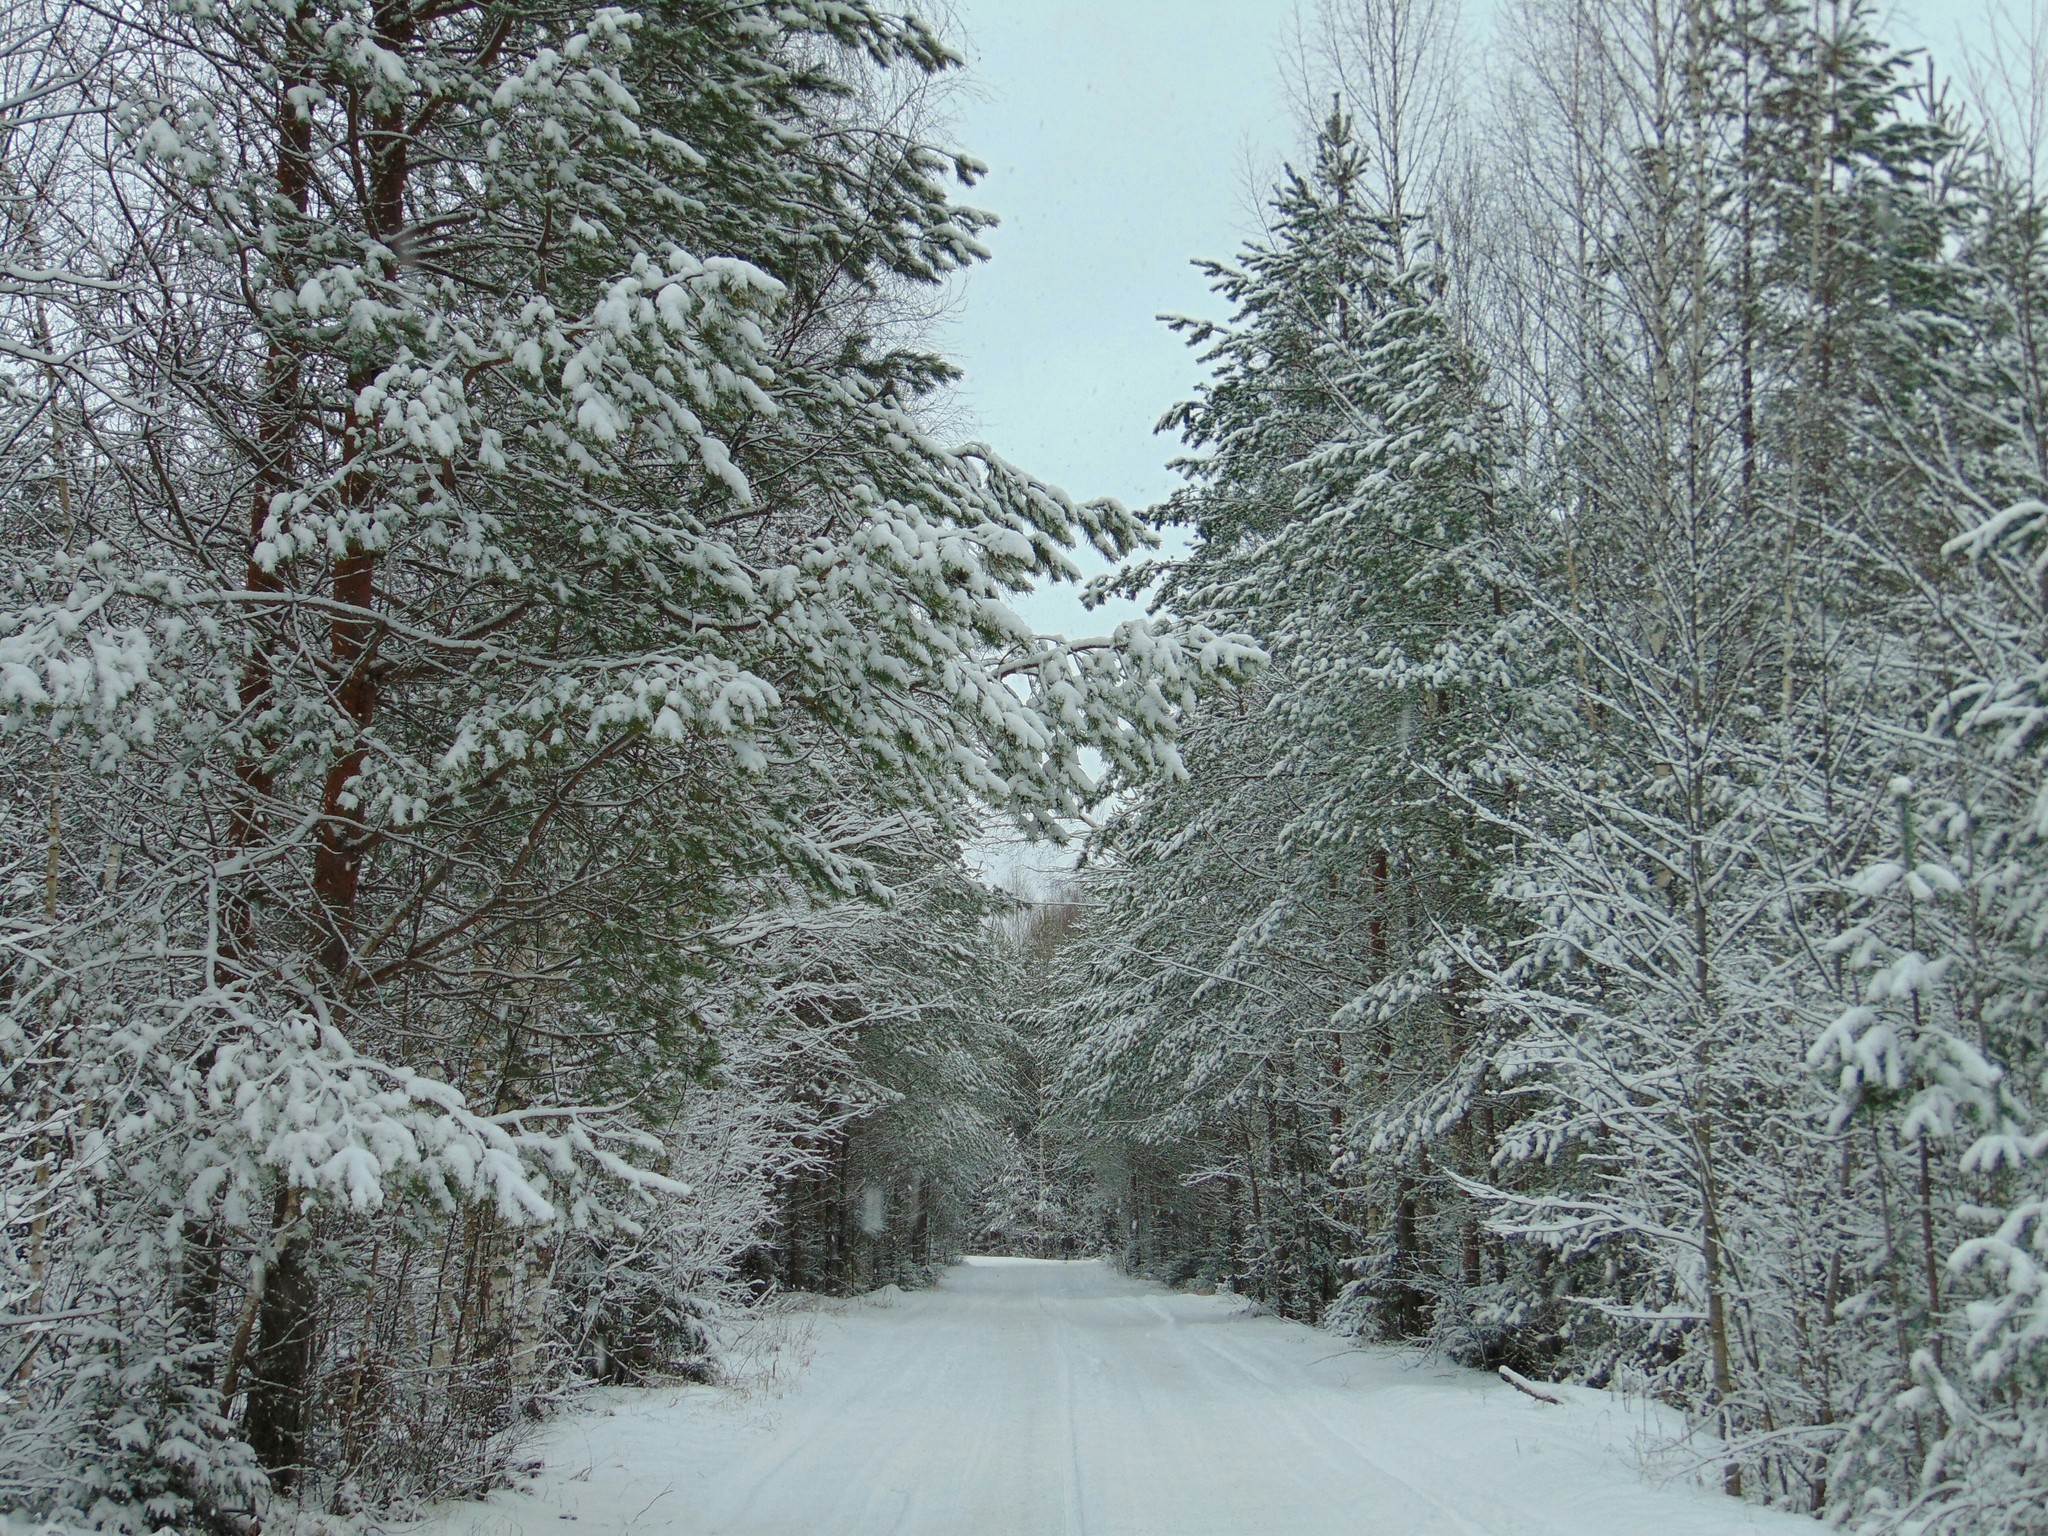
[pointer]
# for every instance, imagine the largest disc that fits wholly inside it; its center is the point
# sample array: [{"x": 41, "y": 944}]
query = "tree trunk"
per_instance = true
[
  {"x": 280, "y": 1380},
  {"x": 1407, "y": 1300}
]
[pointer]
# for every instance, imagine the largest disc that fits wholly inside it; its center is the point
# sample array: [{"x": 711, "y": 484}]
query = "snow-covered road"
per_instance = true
[{"x": 1033, "y": 1397}]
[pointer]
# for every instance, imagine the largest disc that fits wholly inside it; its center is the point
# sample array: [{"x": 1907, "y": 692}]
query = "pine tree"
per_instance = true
[
  {"x": 1343, "y": 503},
  {"x": 522, "y": 551}
]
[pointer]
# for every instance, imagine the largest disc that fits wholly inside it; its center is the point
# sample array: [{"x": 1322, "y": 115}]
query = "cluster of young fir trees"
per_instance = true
[
  {"x": 496, "y": 673},
  {"x": 1607, "y": 940}
]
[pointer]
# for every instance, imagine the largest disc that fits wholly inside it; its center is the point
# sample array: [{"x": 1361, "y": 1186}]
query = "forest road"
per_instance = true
[{"x": 1038, "y": 1398}]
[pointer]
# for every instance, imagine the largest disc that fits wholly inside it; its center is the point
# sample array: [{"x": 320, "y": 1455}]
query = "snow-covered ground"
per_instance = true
[{"x": 1024, "y": 1397}]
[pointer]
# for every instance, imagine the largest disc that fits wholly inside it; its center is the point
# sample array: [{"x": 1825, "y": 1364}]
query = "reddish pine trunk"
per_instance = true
[{"x": 338, "y": 859}]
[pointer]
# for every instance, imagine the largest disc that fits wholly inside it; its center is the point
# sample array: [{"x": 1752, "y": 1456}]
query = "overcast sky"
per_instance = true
[
  {"x": 1116, "y": 133},
  {"x": 1120, "y": 136}
]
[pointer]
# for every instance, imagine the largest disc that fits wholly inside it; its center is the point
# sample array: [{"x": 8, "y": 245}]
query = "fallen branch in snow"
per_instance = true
[{"x": 1524, "y": 1385}]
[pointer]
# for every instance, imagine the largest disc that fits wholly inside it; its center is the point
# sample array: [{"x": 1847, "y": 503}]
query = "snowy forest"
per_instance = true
[{"x": 508, "y": 677}]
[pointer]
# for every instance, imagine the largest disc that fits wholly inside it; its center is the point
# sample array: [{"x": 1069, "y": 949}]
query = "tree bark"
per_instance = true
[{"x": 280, "y": 1378}]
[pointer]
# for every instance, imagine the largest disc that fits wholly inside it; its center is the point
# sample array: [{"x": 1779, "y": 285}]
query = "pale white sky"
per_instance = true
[
  {"x": 1122, "y": 138},
  {"x": 1116, "y": 133}
]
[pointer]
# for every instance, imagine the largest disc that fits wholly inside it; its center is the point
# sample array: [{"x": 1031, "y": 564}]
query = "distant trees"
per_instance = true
[
  {"x": 1039, "y": 1194},
  {"x": 1604, "y": 939}
]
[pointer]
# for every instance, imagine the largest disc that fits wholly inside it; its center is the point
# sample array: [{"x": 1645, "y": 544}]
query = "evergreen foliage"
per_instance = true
[
  {"x": 496, "y": 672},
  {"x": 1605, "y": 941},
  {"x": 501, "y": 678}
]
